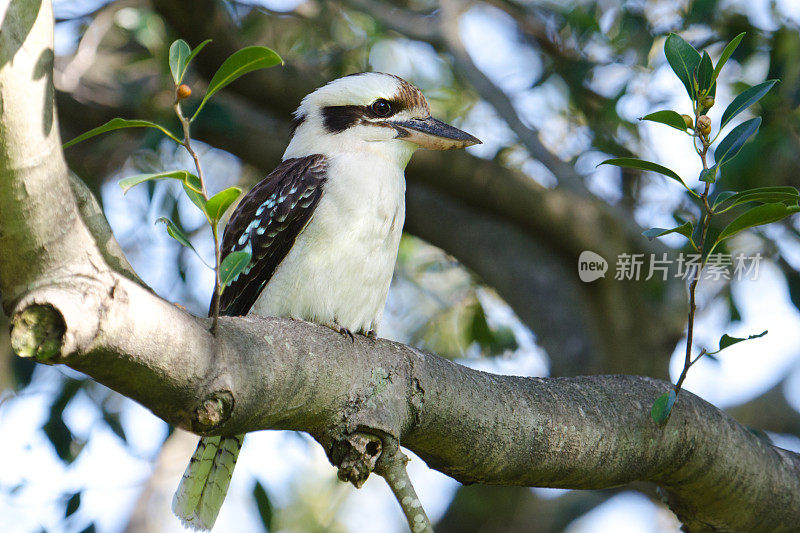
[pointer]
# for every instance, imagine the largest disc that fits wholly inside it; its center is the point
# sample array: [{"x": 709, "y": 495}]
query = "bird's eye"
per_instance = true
[{"x": 381, "y": 108}]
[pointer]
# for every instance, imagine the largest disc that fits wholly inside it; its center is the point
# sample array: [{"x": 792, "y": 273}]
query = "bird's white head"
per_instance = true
[{"x": 374, "y": 112}]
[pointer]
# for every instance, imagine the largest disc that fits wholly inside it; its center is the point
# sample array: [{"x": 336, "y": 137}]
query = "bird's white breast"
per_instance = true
[{"x": 339, "y": 270}]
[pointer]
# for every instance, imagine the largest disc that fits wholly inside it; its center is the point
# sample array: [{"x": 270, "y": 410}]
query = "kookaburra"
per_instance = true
[{"x": 323, "y": 231}]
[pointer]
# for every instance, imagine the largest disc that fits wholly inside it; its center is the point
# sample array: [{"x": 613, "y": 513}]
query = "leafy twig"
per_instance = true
[
  {"x": 213, "y": 207},
  {"x": 706, "y": 220},
  {"x": 699, "y": 77},
  {"x": 187, "y": 144}
]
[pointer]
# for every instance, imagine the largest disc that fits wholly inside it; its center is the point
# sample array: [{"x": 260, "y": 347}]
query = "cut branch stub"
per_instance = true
[
  {"x": 355, "y": 456},
  {"x": 213, "y": 411},
  {"x": 37, "y": 332}
]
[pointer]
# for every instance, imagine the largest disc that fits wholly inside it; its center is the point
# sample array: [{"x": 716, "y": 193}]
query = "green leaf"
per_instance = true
[
  {"x": 72, "y": 504},
  {"x": 709, "y": 175},
  {"x": 712, "y": 92},
  {"x": 670, "y": 118},
  {"x": 180, "y": 55},
  {"x": 119, "y": 123},
  {"x": 193, "y": 182},
  {"x": 683, "y": 59},
  {"x": 733, "y": 142},
  {"x": 195, "y": 52},
  {"x": 684, "y": 229},
  {"x": 786, "y": 195},
  {"x": 726, "y": 340},
  {"x": 239, "y": 63},
  {"x": 176, "y": 233},
  {"x": 662, "y": 407},
  {"x": 721, "y": 197},
  {"x": 726, "y": 53},
  {"x": 264, "y": 506},
  {"x": 189, "y": 180},
  {"x": 641, "y": 164},
  {"x": 757, "y": 216},
  {"x": 745, "y": 100},
  {"x": 178, "y": 58},
  {"x": 220, "y": 202},
  {"x": 196, "y": 198},
  {"x": 705, "y": 71},
  {"x": 232, "y": 266}
]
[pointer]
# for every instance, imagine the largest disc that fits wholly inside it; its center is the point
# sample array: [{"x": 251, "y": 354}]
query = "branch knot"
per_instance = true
[
  {"x": 37, "y": 332},
  {"x": 355, "y": 456},
  {"x": 212, "y": 412}
]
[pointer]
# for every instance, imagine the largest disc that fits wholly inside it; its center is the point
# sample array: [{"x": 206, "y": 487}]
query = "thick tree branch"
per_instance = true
[
  {"x": 771, "y": 411},
  {"x": 30, "y": 151},
  {"x": 587, "y": 432}
]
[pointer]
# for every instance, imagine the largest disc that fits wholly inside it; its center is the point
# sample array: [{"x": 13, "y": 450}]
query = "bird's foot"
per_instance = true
[
  {"x": 342, "y": 331},
  {"x": 371, "y": 334}
]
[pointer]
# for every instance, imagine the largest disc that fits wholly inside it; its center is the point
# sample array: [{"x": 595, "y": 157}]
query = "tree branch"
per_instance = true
[
  {"x": 528, "y": 135},
  {"x": 30, "y": 156},
  {"x": 393, "y": 469},
  {"x": 586, "y": 432}
]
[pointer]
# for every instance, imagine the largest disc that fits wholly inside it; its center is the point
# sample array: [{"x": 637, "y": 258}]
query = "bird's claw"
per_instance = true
[
  {"x": 371, "y": 334},
  {"x": 343, "y": 331}
]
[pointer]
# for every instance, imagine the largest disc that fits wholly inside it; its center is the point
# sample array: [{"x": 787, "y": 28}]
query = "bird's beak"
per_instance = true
[{"x": 433, "y": 133}]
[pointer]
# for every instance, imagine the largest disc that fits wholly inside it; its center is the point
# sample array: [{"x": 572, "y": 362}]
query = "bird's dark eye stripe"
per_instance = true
[{"x": 338, "y": 118}]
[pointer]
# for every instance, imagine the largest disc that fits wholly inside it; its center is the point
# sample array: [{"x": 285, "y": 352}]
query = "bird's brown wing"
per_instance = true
[{"x": 266, "y": 223}]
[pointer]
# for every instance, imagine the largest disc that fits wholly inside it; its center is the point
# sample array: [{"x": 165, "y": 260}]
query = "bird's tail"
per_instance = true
[{"x": 202, "y": 490}]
